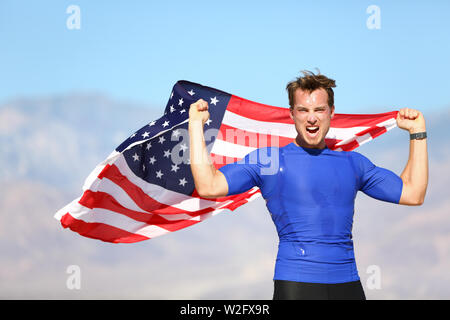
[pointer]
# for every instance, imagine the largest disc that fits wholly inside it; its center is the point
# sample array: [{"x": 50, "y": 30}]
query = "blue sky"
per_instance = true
[{"x": 136, "y": 50}]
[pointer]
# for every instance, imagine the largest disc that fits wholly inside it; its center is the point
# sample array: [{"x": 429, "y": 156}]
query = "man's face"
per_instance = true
[{"x": 312, "y": 116}]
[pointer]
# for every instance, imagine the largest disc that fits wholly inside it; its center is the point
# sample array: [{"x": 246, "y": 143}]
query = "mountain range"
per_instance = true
[{"x": 48, "y": 146}]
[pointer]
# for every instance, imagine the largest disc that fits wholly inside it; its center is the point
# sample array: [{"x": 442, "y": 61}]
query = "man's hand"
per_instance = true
[
  {"x": 198, "y": 111},
  {"x": 411, "y": 120}
]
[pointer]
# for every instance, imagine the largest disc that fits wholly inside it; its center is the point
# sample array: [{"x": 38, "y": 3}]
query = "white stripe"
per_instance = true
[
  {"x": 363, "y": 139},
  {"x": 389, "y": 123},
  {"x": 273, "y": 128},
  {"x": 116, "y": 220},
  {"x": 179, "y": 216},
  {"x": 359, "y": 139},
  {"x": 117, "y": 193},
  {"x": 344, "y": 133},
  {"x": 58, "y": 215},
  {"x": 228, "y": 149}
]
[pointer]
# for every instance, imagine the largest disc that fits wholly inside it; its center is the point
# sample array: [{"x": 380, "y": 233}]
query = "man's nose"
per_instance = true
[{"x": 311, "y": 118}]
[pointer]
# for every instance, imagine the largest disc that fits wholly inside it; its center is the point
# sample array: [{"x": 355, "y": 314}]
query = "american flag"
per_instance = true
[{"x": 145, "y": 189}]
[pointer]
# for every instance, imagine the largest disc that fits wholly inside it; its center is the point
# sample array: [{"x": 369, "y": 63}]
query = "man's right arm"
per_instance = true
[{"x": 209, "y": 182}]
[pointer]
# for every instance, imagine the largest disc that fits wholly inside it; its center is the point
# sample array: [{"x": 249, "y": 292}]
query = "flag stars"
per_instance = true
[
  {"x": 160, "y": 140},
  {"x": 175, "y": 133},
  {"x": 184, "y": 147},
  {"x": 214, "y": 100}
]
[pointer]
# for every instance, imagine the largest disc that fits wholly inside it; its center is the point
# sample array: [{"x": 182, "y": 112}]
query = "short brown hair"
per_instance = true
[{"x": 310, "y": 82}]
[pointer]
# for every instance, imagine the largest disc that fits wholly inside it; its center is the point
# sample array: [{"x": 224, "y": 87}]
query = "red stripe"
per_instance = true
[
  {"x": 349, "y": 146},
  {"x": 100, "y": 231},
  {"x": 341, "y": 120},
  {"x": 104, "y": 200},
  {"x": 142, "y": 200},
  {"x": 258, "y": 111},
  {"x": 331, "y": 143},
  {"x": 377, "y": 131},
  {"x": 267, "y": 113},
  {"x": 149, "y": 204}
]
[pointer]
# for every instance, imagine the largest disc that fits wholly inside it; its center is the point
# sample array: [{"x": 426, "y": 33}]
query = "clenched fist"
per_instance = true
[
  {"x": 198, "y": 111},
  {"x": 411, "y": 120}
]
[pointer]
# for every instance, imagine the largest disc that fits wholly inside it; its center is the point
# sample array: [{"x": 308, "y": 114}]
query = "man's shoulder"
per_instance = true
[
  {"x": 260, "y": 155},
  {"x": 353, "y": 154},
  {"x": 266, "y": 150},
  {"x": 360, "y": 161}
]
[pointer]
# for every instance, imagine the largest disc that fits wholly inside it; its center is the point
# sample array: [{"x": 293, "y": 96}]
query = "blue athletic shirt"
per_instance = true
[{"x": 310, "y": 194}]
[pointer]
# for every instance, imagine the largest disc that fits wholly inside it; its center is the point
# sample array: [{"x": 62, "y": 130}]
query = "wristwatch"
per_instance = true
[{"x": 418, "y": 135}]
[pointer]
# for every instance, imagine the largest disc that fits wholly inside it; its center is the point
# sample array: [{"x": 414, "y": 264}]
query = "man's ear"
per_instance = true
[
  {"x": 332, "y": 111},
  {"x": 290, "y": 113}
]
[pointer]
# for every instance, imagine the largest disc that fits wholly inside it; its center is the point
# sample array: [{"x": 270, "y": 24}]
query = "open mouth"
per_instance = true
[{"x": 312, "y": 130}]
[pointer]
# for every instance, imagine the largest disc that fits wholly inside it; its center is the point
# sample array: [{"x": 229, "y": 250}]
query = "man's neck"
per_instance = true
[{"x": 301, "y": 143}]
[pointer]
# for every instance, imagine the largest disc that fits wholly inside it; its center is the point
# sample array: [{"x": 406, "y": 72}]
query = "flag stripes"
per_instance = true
[{"x": 119, "y": 206}]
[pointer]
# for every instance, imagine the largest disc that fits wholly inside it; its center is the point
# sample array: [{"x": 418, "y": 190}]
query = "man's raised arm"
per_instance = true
[
  {"x": 415, "y": 174},
  {"x": 209, "y": 182}
]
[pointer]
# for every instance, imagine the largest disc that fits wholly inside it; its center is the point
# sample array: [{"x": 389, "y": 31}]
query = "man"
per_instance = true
[{"x": 311, "y": 196}]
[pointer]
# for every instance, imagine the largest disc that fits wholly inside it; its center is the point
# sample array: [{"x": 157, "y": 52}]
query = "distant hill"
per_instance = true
[
  {"x": 56, "y": 139},
  {"x": 48, "y": 145}
]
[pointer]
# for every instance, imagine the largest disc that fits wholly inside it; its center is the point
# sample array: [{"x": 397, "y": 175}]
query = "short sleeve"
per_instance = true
[
  {"x": 248, "y": 172},
  {"x": 377, "y": 182}
]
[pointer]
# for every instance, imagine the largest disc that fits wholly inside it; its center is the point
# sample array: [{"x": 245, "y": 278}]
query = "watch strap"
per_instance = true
[{"x": 418, "y": 135}]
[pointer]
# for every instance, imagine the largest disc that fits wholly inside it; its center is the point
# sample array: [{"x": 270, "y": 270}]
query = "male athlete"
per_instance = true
[{"x": 311, "y": 196}]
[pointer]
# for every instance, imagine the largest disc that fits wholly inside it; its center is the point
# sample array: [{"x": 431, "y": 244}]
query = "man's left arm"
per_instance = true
[{"x": 415, "y": 174}]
